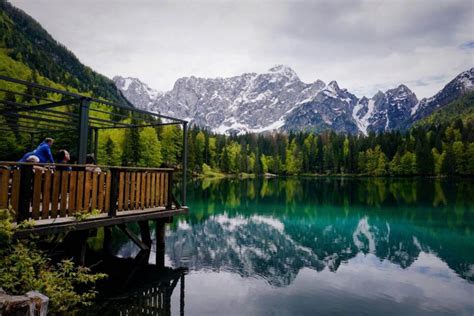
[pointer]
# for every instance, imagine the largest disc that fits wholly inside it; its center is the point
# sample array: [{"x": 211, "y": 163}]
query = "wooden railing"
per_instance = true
[{"x": 34, "y": 192}]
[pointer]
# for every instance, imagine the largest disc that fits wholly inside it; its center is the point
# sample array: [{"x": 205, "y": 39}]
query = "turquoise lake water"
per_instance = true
[{"x": 322, "y": 246}]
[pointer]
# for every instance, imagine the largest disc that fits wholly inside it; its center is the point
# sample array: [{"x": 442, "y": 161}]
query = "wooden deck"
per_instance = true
[{"x": 83, "y": 198}]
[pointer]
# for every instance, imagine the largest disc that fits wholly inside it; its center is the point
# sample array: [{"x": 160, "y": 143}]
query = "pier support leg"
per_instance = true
[
  {"x": 107, "y": 240},
  {"x": 145, "y": 233},
  {"x": 181, "y": 297},
  {"x": 76, "y": 243},
  {"x": 160, "y": 243}
]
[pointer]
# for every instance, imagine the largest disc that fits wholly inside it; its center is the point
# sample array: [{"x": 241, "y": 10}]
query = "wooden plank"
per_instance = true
[
  {"x": 46, "y": 194},
  {"x": 153, "y": 188},
  {"x": 95, "y": 185},
  {"x": 55, "y": 195},
  {"x": 121, "y": 185},
  {"x": 108, "y": 180},
  {"x": 126, "y": 202},
  {"x": 138, "y": 191},
  {"x": 87, "y": 190},
  {"x": 160, "y": 192},
  {"x": 72, "y": 207},
  {"x": 165, "y": 189},
  {"x": 80, "y": 190},
  {"x": 148, "y": 188},
  {"x": 37, "y": 194},
  {"x": 15, "y": 190},
  {"x": 4, "y": 179},
  {"x": 101, "y": 197},
  {"x": 162, "y": 201},
  {"x": 143, "y": 193},
  {"x": 132, "y": 190},
  {"x": 158, "y": 188}
]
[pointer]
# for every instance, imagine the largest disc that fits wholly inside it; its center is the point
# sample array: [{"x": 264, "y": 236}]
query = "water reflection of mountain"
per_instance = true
[
  {"x": 259, "y": 246},
  {"x": 273, "y": 228}
]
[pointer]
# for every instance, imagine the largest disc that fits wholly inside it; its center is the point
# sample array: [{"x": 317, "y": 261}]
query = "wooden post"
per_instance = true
[
  {"x": 107, "y": 240},
  {"x": 26, "y": 177},
  {"x": 160, "y": 243},
  {"x": 169, "y": 203},
  {"x": 76, "y": 245},
  {"x": 145, "y": 233},
  {"x": 114, "y": 190},
  {"x": 83, "y": 130},
  {"x": 96, "y": 144},
  {"x": 185, "y": 163},
  {"x": 181, "y": 297}
]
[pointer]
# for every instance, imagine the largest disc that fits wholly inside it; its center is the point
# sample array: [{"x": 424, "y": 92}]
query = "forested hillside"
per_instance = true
[
  {"x": 25, "y": 41},
  {"x": 441, "y": 149},
  {"x": 460, "y": 109}
]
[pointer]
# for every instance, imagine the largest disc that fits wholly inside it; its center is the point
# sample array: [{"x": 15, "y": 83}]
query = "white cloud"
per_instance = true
[{"x": 365, "y": 45}]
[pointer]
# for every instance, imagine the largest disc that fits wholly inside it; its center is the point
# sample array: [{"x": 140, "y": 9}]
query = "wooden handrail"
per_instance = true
[
  {"x": 39, "y": 193},
  {"x": 13, "y": 163}
]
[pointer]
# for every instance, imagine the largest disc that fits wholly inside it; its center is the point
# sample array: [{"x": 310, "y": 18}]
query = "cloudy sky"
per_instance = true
[{"x": 365, "y": 45}]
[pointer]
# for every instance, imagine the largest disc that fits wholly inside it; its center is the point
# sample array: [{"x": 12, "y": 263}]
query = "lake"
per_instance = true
[{"x": 317, "y": 246}]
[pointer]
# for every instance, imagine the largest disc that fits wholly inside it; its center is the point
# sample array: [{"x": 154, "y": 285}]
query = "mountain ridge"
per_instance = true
[{"x": 279, "y": 100}]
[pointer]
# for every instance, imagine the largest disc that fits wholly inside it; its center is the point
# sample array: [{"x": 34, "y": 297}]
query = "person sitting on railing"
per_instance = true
[
  {"x": 90, "y": 164},
  {"x": 63, "y": 158},
  {"x": 42, "y": 154}
]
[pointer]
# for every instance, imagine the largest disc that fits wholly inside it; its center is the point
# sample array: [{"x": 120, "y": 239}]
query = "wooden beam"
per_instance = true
[
  {"x": 124, "y": 228},
  {"x": 56, "y": 228}
]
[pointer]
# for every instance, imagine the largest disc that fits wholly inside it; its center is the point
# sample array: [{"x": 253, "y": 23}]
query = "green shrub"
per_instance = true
[{"x": 23, "y": 267}]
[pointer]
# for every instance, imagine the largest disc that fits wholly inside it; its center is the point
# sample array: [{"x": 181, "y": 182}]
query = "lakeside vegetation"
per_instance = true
[
  {"x": 25, "y": 267},
  {"x": 441, "y": 148}
]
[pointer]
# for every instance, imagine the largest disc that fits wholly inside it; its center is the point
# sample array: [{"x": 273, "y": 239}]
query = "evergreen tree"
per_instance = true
[
  {"x": 424, "y": 156},
  {"x": 408, "y": 164},
  {"x": 110, "y": 157},
  {"x": 459, "y": 157},
  {"x": 448, "y": 166},
  {"x": 150, "y": 148},
  {"x": 131, "y": 150},
  {"x": 470, "y": 160},
  {"x": 395, "y": 165}
]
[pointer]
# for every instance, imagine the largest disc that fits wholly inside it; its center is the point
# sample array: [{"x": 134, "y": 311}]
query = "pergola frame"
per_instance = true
[{"x": 77, "y": 117}]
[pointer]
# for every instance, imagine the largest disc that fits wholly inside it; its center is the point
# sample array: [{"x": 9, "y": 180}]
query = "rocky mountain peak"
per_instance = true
[
  {"x": 334, "y": 86},
  {"x": 136, "y": 91},
  {"x": 401, "y": 89},
  {"x": 466, "y": 79},
  {"x": 278, "y": 100},
  {"x": 319, "y": 84},
  {"x": 379, "y": 95},
  {"x": 285, "y": 71}
]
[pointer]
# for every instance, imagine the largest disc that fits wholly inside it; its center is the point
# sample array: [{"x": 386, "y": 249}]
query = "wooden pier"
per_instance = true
[{"x": 78, "y": 199}]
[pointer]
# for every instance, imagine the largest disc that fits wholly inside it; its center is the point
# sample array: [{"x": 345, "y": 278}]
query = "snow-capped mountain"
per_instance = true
[
  {"x": 137, "y": 92},
  {"x": 457, "y": 87},
  {"x": 279, "y": 100},
  {"x": 384, "y": 111}
]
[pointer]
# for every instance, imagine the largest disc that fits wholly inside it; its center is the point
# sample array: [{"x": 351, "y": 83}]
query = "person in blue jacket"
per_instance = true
[{"x": 41, "y": 154}]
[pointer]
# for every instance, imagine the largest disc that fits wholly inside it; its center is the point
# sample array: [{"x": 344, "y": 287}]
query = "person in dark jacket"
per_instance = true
[
  {"x": 63, "y": 158},
  {"x": 42, "y": 152}
]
